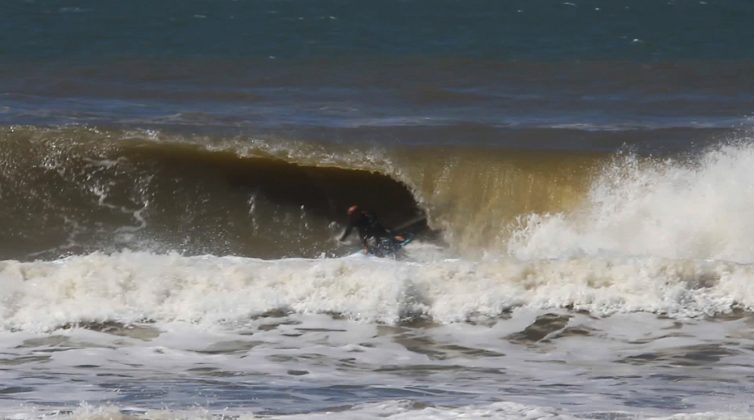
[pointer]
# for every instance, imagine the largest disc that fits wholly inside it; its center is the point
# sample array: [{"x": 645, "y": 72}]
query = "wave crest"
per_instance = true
[{"x": 133, "y": 287}]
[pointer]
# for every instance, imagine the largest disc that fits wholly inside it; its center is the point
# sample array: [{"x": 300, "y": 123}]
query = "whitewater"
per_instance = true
[
  {"x": 133, "y": 287},
  {"x": 632, "y": 303},
  {"x": 577, "y": 177}
]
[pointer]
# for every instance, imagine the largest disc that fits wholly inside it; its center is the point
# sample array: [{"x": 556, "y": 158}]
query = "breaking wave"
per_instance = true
[
  {"x": 75, "y": 190},
  {"x": 700, "y": 208},
  {"x": 132, "y": 287}
]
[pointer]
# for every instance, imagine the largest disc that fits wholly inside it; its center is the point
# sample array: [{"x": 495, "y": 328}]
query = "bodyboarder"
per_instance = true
[{"x": 371, "y": 232}]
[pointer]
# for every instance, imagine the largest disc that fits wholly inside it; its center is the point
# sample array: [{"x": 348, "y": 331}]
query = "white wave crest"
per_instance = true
[
  {"x": 701, "y": 209},
  {"x": 131, "y": 287}
]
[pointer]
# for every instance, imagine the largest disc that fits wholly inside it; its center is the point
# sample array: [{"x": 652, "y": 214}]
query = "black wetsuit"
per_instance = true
[{"x": 368, "y": 227}]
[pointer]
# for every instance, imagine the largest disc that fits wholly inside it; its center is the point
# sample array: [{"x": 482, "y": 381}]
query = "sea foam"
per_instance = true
[{"x": 132, "y": 287}]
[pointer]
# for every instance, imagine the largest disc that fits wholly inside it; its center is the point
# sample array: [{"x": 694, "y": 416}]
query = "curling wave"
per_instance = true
[{"x": 76, "y": 190}]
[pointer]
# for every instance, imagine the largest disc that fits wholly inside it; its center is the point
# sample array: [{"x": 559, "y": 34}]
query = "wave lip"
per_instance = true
[
  {"x": 132, "y": 287},
  {"x": 694, "y": 209},
  {"x": 77, "y": 190}
]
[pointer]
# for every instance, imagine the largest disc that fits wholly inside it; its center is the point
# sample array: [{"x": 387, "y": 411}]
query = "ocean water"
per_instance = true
[{"x": 174, "y": 176}]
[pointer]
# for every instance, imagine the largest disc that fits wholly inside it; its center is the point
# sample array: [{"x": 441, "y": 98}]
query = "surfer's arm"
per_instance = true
[{"x": 347, "y": 232}]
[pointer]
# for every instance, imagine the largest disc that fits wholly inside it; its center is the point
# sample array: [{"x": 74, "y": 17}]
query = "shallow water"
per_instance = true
[
  {"x": 569, "y": 364},
  {"x": 233, "y": 336}
]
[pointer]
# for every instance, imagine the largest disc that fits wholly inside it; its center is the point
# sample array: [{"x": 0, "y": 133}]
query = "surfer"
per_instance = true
[{"x": 371, "y": 232}]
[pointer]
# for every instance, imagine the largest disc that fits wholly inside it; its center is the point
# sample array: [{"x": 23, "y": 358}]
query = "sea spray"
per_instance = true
[{"x": 698, "y": 208}]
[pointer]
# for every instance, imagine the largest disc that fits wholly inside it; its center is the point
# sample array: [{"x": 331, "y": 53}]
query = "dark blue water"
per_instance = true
[
  {"x": 333, "y": 69},
  {"x": 483, "y": 29}
]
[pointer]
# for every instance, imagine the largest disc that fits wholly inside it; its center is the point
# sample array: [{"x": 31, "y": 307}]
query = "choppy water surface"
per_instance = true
[{"x": 174, "y": 177}]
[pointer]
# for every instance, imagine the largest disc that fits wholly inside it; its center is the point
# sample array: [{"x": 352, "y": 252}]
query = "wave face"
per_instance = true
[{"x": 77, "y": 190}]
